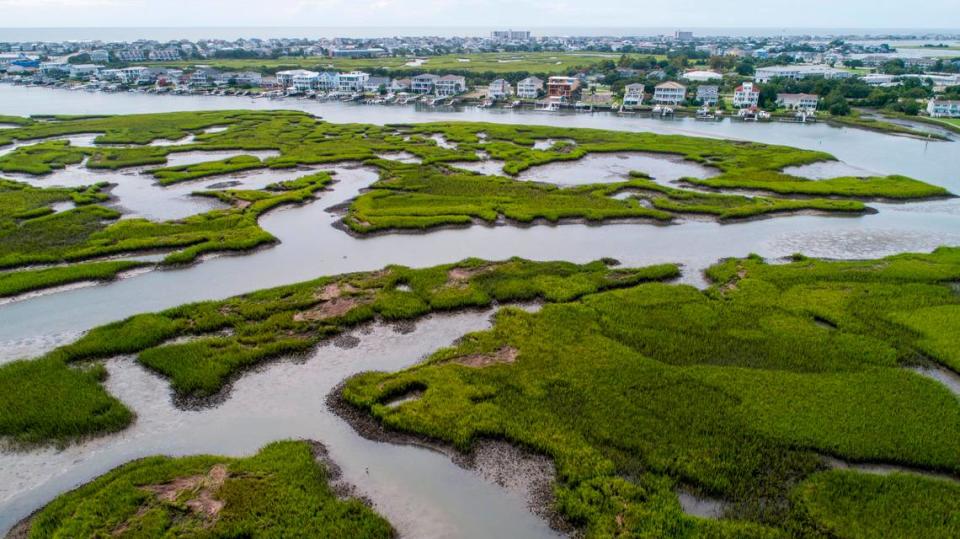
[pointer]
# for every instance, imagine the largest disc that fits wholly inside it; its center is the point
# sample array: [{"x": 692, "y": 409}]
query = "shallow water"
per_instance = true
[
  {"x": 139, "y": 195},
  {"x": 825, "y": 170},
  {"x": 616, "y": 167},
  {"x": 420, "y": 491}
]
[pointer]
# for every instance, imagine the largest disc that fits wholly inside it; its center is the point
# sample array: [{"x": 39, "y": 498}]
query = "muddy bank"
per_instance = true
[{"x": 529, "y": 475}]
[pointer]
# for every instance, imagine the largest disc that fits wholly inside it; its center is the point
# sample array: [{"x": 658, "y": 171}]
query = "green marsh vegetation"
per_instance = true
[
  {"x": 58, "y": 398},
  {"x": 432, "y": 192},
  {"x": 736, "y": 392},
  {"x": 282, "y": 491}
]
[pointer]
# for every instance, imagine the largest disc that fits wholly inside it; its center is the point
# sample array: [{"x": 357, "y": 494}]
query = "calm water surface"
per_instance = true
[{"x": 424, "y": 494}]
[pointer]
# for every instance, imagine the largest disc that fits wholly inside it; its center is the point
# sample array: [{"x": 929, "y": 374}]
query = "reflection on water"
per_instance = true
[{"x": 420, "y": 491}]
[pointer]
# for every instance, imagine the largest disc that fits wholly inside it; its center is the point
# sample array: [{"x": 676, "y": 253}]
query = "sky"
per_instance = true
[{"x": 526, "y": 14}]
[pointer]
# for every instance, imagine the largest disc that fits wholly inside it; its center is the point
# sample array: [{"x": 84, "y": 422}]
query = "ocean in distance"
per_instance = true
[{"x": 230, "y": 33}]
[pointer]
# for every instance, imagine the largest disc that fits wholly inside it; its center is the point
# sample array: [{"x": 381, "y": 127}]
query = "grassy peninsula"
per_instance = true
[{"x": 282, "y": 491}]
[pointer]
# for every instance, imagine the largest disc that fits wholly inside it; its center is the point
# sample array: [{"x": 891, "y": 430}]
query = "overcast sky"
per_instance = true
[{"x": 475, "y": 13}]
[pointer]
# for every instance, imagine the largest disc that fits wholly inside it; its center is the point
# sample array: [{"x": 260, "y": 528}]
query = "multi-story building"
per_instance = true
[
  {"x": 746, "y": 95},
  {"x": 302, "y": 79},
  {"x": 449, "y": 85},
  {"x": 54, "y": 68},
  {"x": 357, "y": 53},
  {"x": 529, "y": 88},
  {"x": 375, "y": 84},
  {"x": 99, "y": 56},
  {"x": 205, "y": 76},
  {"x": 563, "y": 88},
  {"x": 164, "y": 55},
  {"x": 78, "y": 71},
  {"x": 135, "y": 75},
  {"x": 702, "y": 76},
  {"x": 354, "y": 81},
  {"x": 499, "y": 89},
  {"x": 131, "y": 55},
  {"x": 800, "y": 102},
  {"x": 669, "y": 93},
  {"x": 940, "y": 108},
  {"x": 423, "y": 84},
  {"x": 400, "y": 85},
  {"x": 708, "y": 95},
  {"x": 633, "y": 95},
  {"x": 510, "y": 35},
  {"x": 799, "y": 71},
  {"x": 328, "y": 81}
]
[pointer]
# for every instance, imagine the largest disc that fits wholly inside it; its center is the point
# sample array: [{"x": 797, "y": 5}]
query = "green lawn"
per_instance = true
[{"x": 543, "y": 63}]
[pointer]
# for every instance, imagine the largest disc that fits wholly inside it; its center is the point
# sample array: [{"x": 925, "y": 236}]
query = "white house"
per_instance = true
[
  {"x": 135, "y": 74},
  {"x": 799, "y": 71},
  {"x": 804, "y": 102},
  {"x": 746, "y": 95},
  {"x": 83, "y": 70},
  {"x": 702, "y": 76},
  {"x": 499, "y": 89},
  {"x": 100, "y": 56},
  {"x": 708, "y": 94},
  {"x": 352, "y": 82},
  {"x": 423, "y": 84},
  {"x": 633, "y": 95},
  {"x": 877, "y": 79},
  {"x": 449, "y": 85},
  {"x": 529, "y": 88},
  {"x": 306, "y": 78},
  {"x": 669, "y": 93},
  {"x": 400, "y": 85},
  {"x": 939, "y": 108}
]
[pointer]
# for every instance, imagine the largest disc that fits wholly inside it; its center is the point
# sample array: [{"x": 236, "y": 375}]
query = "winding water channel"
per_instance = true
[{"x": 419, "y": 490}]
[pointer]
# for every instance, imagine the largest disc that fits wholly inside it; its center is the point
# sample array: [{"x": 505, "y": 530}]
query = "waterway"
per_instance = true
[{"x": 425, "y": 494}]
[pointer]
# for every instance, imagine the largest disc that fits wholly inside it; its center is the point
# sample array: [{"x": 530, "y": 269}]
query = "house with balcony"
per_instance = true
[
  {"x": 633, "y": 95},
  {"x": 499, "y": 89},
  {"x": 563, "y": 88},
  {"x": 285, "y": 79},
  {"x": 328, "y": 81},
  {"x": 746, "y": 95},
  {"x": 940, "y": 108},
  {"x": 375, "y": 84},
  {"x": 529, "y": 88},
  {"x": 669, "y": 93},
  {"x": 400, "y": 85},
  {"x": 83, "y": 71},
  {"x": 51, "y": 69},
  {"x": 450, "y": 85},
  {"x": 351, "y": 82},
  {"x": 205, "y": 76},
  {"x": 423, "y": 84},
  {"x": 708, "y": 95},
  {"x": 798, "y": 102}
]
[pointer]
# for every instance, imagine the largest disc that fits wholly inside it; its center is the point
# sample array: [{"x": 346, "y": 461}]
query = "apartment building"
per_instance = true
[
  {"x": 940, "y": 108},
  {"x": 800, "y": 102}
]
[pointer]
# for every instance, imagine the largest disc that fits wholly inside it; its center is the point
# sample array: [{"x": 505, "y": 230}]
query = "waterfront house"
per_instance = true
[
  {"x": 499, "y": 89},
  {"x": 746, "y": 95},
  {"x": 669, "y": 93},
  {"x": 702, "y": 76},
  {"x": 304, "y": 77},
  {"x": 940, "y": 108},
  {"x": 400, "y": 85},
  {"x": 529, "y": 88},
  {"x": 800, "y": 102},
  {"x": 708, "y": 94},
  {"x": 563, "y": 88},
  {"x": 424, "y": 83},
  {"x": 204, "y": 76},
  {"x": 449, "y": 85},
  {"x": 81, "y": 71},
  {"x": 54, "y": 68},
  {"x": 633, "y": 95},
  {"x": 328, "y": 81},
  {"x": 135, "y": 75},
  {"x": 376, "y": 84},
  {"x": 354, "y": 81}
]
